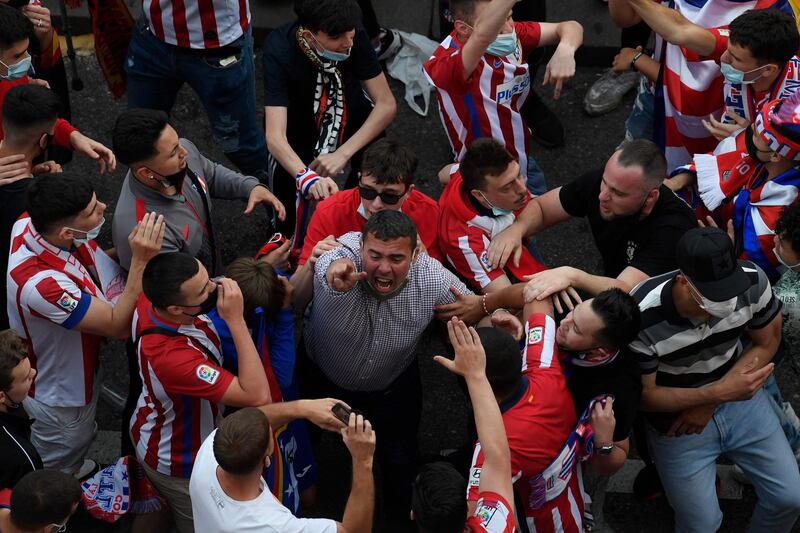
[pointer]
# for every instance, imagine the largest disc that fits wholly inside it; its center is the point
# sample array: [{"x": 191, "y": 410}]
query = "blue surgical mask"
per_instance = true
[
  {"x": 17, "y": 70},
  {"x": 734, "y": 75},
  {"x": 90, "y": 235},
  {"x": 329, "y": 54},
  {"x": 496, "y": 211},
  {"x": 504, "y": 45}
]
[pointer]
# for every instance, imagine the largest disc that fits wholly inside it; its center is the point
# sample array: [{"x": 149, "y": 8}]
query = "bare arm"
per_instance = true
[
  {"x": 115, "y": 320},
  {"x": 540, "y": 213},
  {"x": 674, "y": 27},
  {"x": 561, "y": 67},
  {"x": 360, "y": 441},
  {"x": 250, "y": 387},
  {"x": 485, "y": 31},
  {"x": 277, "y": 144},
  {"x": 609, "y": 464},
  {"x": 622, "y": 14}
]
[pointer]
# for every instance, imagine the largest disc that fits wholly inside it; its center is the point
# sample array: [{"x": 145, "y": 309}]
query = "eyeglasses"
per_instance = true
[{"x": 386, "y": 197}]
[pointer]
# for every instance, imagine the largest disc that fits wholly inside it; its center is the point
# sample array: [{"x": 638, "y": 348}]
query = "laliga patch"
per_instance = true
[
  {"x": 207, "y": 374},
  {"x": 535, "y": 335},
  {"x": 724, "y": 32},
  {"x": 485, "y": 513},
  {"x": 484, "y": 259},
  {"x": 68, "y": 302}
]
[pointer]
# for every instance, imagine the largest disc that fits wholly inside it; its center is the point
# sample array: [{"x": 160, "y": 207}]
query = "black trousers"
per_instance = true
[{"x": 395, "y": 416}]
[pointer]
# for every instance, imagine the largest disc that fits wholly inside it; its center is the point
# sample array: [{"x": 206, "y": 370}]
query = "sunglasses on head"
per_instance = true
[{"x": 386, "y": 197}]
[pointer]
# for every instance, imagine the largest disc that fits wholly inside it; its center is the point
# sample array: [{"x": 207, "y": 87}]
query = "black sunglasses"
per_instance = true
[{"x": 386, "y": 197}]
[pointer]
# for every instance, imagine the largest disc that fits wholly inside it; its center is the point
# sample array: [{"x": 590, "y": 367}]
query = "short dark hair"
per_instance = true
[
  {"x": 484, "y": 157},
  {"x": 503, "y": 360},
  {"x": 620, "y": 315},
  {"x": 164, "y": 275},
  {"x": 136, "y": 133},
  {"x": 788, "y": 226},
  {"x": 389, "y": 161},
  {"x": 242, "y": 441},
  {"x": 43, "y": 497},
  {"x": 646, "y": 155},
  {"x": 29, "y": 109},
  {"x": 12, "y": 353},
  {"x": 769, "y": 34},
  {"x": 464, "y": 9},
  {"x": 56, "y": 197},
  {"x": 388, "y": 225},
  {"x": 14, "y": 27},
  {"x": 333, "y": 17},
  {"x": 259, "y": 284},
  {"x": 437, "y": 499}
]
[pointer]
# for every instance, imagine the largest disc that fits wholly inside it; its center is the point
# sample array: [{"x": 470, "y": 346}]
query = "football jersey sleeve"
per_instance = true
[
  {"x": 529, "y": 35},
  {"x": 56, "y": 298},
  {"x": 187, "y": 372},
  {"x": 474, "y": 481},
  {"x": 445, "y": 70},
  {"x": 492, "y": 515},
  {"x": 468, "y": 255},
  {"x": 539, "y": 352}
]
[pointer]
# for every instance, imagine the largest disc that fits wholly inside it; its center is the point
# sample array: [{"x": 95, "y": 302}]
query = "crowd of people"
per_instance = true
[{"x": 236, "y": 369}]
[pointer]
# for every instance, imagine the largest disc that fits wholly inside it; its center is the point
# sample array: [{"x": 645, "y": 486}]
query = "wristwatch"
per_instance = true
[
  {"x": 605, "y": 450},
  {"x": 635, "y": 57}
]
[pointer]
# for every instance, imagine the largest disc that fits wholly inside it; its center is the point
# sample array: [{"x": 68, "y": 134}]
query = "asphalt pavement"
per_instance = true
[{"x": 589, "y": 143}]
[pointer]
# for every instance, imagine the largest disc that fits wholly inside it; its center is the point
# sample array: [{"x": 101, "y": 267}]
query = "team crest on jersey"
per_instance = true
[
  {"x": 484, "y": 259},
  {"x": 535, "y": 335},
  {"x": 474, "y": 477},
  {"x": 208, "y": 374},
  {"x": 68, "y": 302},
  {"x": 630, "y": 250},
  {"x": 485, "y": 512}
]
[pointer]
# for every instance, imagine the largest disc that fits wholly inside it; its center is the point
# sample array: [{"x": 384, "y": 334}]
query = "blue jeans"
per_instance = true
[
  {"x": 749, "y": 434},
  {"x": 535, "y": 178},
  {"x": 227, "y": 89},
  {"x": 776, "y": 401},
  {"x": 640, "y": 120}
]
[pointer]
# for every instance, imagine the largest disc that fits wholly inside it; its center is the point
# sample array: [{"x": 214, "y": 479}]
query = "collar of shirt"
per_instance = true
[
  {"x": 668, "y": 308},
  {"x": 511, "y": 401}
]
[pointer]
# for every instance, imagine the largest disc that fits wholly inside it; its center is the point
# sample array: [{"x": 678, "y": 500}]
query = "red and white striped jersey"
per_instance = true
[
  {"x": 182, "y": 387},
  {"x": 49, "y": 291},
  {"x": 465, "y": 235},
  {"x": 693, "y": 86},
  {"x": 541, "y": 406},
  {"x": 197, "y": 23},
  {"x": 493, "y": 514},
  {"x": 488, "y": 103}
]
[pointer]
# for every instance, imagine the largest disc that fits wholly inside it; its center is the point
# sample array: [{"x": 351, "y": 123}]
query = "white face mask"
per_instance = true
[
  {"x": 781, "y": 261},
  {"x": 715, "y": 309},
  {"x": 90, "y": 235}
]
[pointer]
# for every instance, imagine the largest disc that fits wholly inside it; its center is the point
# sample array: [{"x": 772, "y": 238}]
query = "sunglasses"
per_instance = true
[{"x": 386, "y": 197}]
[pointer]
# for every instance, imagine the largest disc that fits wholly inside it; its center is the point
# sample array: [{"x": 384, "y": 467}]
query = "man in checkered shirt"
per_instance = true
[{"x": 374, "y": 296}]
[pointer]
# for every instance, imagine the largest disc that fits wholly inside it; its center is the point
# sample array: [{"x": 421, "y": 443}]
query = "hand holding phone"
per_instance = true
[{"x": 342, "y": 412}]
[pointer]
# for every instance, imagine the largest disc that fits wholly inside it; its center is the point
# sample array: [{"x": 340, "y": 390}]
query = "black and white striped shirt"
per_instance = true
[
  {"x": 364, "y": 343},
  {"x": 687, "y": 353}
]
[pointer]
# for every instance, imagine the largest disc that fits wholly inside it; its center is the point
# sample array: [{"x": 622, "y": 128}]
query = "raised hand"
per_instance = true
[{"x": 343, "y": 276}]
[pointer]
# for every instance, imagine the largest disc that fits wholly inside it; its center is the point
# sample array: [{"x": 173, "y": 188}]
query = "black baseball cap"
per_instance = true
[{"x": 707, "y": 258}]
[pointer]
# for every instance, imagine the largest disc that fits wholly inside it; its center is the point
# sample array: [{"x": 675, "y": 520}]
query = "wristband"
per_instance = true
[
  {"x": 305, "y": 179},
  {"x": 636, "y": 57}
]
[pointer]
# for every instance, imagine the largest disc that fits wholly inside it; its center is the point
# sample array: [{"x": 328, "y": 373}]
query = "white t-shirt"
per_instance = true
[{"x": 216, "y": 512}]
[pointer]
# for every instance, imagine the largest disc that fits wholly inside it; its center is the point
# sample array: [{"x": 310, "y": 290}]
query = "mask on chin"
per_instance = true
[
  {"x": 207, "y": 305},
  {"x": 752, "y": 149},
  {"x": 171, "y": 180}
]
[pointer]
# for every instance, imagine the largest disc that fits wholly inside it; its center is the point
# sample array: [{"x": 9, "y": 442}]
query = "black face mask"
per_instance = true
[
  {"x": 205, "y": 307},
  {"x": 752, "y": 149},
  {"x": 174, "y": 180}
]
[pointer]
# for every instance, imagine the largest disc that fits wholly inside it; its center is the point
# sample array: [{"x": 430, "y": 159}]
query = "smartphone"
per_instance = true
[{"x": 342, "y": 412}]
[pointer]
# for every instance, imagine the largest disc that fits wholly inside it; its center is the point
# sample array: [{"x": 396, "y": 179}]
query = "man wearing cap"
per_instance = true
[{"x": 709, "y": 332}]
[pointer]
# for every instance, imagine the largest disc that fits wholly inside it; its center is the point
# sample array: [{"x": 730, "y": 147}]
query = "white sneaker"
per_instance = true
[
  {"x": 606, "y": 93},
  {"x": 88, "y": 468}
]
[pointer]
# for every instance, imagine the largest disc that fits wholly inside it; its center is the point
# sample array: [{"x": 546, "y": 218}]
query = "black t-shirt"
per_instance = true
[
  {"x": 12, "y": 198},
  {"x": 620, "y": 377},
  {"x": 290, "y": 80},
  {"x": 648, "y": 245}
]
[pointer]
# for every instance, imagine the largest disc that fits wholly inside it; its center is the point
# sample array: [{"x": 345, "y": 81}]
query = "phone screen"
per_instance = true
[{"x": 341, "y": 412}]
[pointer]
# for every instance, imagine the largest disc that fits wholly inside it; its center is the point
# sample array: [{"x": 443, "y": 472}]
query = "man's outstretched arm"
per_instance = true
[{"x": 674, "y": 27}]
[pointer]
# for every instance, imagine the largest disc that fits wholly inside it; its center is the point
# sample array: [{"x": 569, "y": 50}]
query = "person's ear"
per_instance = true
[
  {"x": 143, "y": 173},
  {"x": 601, "y": 352},
  {"x": 415, "y": 253},
  {"x": 770, "y": 70},
  {"x": 3, "y": 397},
  {"x": 478, "y": 195},
  {"x": 775, "y": 157},
  {"x": 175, "y": 310}
]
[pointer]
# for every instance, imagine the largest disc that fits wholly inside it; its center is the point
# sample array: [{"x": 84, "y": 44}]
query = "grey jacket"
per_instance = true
[{"x": 185, "y": 214}]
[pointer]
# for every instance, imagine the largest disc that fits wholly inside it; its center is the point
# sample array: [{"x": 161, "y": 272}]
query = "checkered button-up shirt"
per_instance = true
[{"x": 364, "y": 343}]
